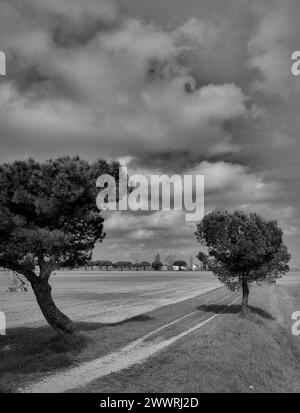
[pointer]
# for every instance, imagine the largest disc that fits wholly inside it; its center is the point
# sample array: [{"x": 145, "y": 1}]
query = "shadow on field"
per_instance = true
[
  {"x": 87, "y": 326},
  {"x": 234, "y": 309},
  {"x": 29, "y": 350}
]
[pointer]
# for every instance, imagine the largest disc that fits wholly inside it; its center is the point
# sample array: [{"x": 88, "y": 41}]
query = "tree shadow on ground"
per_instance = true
[
  {"x": 88, "y": 326},
  {"x": 234, "y": 309},
  {"x": 28, "y": 350}
]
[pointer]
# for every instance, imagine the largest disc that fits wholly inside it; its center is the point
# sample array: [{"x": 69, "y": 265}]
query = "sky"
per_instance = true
[{"x": 193, "y": 87}]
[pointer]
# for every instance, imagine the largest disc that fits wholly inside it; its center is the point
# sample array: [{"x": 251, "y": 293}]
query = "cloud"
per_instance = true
[
  {"x": 227, "y": 186},
  {"x": 125, "y": 88},
  {"x": 75, "y": 10},
  {"x": 141, "y": 234},
  {"x": 200, "y": 89},
  {"x": 139, "y": 41},
  {"x": 272, "y": 44}
]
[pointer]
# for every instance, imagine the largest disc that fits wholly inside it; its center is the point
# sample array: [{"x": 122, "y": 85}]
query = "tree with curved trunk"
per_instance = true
[
  {"x": 49, "y": 220},
  {"x": 243, "y": 248}
]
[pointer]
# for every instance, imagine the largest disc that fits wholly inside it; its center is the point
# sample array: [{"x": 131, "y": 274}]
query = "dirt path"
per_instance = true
[{"x": 134, "y": 353}]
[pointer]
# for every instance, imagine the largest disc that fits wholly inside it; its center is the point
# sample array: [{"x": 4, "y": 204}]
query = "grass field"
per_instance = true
[
  {"x": 232, "y": 354},
  {"x": 106, "y": 297},
  {"x": 155, "y": 332}
]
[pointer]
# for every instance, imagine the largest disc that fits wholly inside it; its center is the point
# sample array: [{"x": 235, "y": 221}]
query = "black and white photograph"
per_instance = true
[{"x": 149, "y": 200}]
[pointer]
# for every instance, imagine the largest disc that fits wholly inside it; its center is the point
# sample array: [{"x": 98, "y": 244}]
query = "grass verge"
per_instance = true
[{"x": 256, "y": 353}]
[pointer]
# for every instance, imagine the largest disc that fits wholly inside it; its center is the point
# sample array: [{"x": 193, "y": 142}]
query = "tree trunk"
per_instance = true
[
  {"x": 245, "y": 287},
  {"x": 55, "y": 318}
]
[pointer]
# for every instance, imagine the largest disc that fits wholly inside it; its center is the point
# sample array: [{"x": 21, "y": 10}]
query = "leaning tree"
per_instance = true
[
  {"x": 243, "y": 248},
  {"x": 49, "y": 220}
]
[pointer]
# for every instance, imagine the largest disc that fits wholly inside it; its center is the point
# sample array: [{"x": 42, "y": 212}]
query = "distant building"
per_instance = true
[{"x": 181, "y": 265}]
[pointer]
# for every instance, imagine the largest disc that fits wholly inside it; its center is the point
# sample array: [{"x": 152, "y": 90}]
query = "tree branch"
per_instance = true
[
  {"x": 28, "y": 274},
  {"x": 46, "y": 268}
]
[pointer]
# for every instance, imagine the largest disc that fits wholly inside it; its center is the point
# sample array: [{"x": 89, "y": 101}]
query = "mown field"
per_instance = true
[
  {"x": 201, "y": 344},
  {"x": 105, "y": 296}
]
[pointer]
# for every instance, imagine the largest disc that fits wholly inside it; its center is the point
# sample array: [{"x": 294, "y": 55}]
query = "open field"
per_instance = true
[
  {"x": 166, "y": 332},
  {"x": 106, "y": 297}
]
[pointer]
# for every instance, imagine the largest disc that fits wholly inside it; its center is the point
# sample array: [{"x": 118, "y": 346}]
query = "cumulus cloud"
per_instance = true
[
  {"x": 272, "y": 44},
  {"x": 226, "y": 186},
  {"x": 76, "y": 10},
  {"x": 123, "y": 87}
]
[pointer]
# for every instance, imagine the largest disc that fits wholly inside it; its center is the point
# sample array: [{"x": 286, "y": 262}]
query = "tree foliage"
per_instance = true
[
  {"x": 48, "y": 212},
  {"x": 157, "y": 264},
  {"x": 48, "y": 215},
  {"x": 243, "y": 248},
  {"x": 170, "y": 258},
  {"x": 204, "y": 259}
]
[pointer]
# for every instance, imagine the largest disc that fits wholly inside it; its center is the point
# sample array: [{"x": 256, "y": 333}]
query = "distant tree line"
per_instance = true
[
  {"x": 156, "y": 265},
  {"x": 122, "y": 265}
]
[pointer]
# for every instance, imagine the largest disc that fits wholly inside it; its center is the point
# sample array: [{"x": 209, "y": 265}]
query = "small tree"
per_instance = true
[
  {"x": 204, "y": 259},
  {"x": 156, "y": 265},
  {"x": 123, "y": 264},
  {"x": 243, "y": 249},
  {"x": 49, "y": 220},
  {"x": 105, "y": 263},
  {"x": 144, "y": 265},
  {"x": 170, "y": 258}
]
